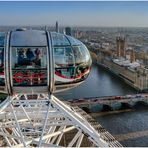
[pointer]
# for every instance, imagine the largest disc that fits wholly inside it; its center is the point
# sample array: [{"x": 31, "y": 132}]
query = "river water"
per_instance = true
[
  {"x": 99, "y": 83},
  {"x": 131, "y": 127}
]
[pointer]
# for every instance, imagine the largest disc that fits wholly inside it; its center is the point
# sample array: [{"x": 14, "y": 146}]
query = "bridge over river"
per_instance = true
[{"x": 111, "y": 102}]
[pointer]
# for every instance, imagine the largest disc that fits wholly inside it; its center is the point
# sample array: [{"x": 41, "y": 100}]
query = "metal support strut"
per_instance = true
[{"x": 44, "y": 121}]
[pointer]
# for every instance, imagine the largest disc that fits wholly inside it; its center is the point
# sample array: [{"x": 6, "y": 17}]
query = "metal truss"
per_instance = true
[{"x": 42, "y": 120}]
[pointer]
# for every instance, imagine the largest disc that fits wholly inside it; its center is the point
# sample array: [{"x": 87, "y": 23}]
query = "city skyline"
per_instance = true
[{"x": 78, "y": 13}]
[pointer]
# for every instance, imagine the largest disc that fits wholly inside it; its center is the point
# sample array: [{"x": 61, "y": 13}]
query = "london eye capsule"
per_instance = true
[{"x": 33, "y": 61}]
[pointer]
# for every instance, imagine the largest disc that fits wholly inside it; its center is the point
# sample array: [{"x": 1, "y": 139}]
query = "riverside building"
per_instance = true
[{"x": 125, "y": 66}]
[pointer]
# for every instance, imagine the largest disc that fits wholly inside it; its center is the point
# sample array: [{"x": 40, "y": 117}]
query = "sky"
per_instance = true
[{"x": 77, "y": 13}]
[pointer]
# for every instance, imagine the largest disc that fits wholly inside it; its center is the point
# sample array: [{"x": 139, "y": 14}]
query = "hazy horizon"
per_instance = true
[{"x": 77, "y": 13}]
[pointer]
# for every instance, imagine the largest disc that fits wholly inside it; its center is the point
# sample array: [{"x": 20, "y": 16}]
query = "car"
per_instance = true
[
  {"x": 128, "y": 96},
  {"x": 138, "y": 96},
  {"x": 95, "y": 100},
  {"x": 81, "y": 100},
  {"x": 118, "y": 97}
]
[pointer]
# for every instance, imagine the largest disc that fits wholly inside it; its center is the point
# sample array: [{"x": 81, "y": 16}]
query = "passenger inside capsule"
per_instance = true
[
  {"x": 29, "y": 66},
  {"x": 27, "y": 56}
]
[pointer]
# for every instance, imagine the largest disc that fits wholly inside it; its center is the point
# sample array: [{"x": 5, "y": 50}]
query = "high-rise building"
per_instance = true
[
  {"x": 57, "y": 27},
  {"x": 120, "y": 41},
  {"x": 68, "y": 31},
  {"x": 76, "y": 33}
]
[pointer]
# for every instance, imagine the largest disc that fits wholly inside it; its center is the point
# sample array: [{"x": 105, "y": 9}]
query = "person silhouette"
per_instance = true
[
  {"x": 30, "y": 55},
  {"x": 38, "y": 57}
]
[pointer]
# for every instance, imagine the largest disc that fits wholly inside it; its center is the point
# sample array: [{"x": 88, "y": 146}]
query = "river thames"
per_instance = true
[
  {"x": 99, "y": 83},
  {"x": 130, "y": 127}
]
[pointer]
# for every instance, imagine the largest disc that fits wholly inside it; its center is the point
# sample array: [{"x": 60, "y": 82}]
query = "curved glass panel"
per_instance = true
[
  {"x": 74, "y": 42},
  {"x": 29, "y": 66},
  {"x": 63, "y": 56},
  {"x": 72, "y": 64},
  {"x": 59, "y": 39},
  {"x": 64, "y": 64},
  {"x": 28, "y": 38},
  {"x": 82, "y": 62},
  {"x": 85, "y": 52}
]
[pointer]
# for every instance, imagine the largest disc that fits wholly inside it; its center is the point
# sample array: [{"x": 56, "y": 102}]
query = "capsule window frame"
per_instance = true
[{"x": 11, "y": 69}]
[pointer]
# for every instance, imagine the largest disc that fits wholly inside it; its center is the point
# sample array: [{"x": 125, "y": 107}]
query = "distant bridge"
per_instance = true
[{"x": 111, "y": 100}]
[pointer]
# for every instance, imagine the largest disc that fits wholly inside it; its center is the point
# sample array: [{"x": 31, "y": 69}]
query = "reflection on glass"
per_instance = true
[
  {"x": 86, "y": 53},
  {"x": 79, "y": 57},
  {"x": 63, "y": 56},
  {"x": 29, "y": 66},
  {"x": 72, "y": 64},
  {"x": 59, "y": 39},
  {"x": 64, "y": 62},
  {"x": 74, "y": 42}
]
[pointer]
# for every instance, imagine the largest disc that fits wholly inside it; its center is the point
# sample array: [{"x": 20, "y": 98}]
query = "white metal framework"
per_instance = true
[{"x": 43, "y": 120}]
